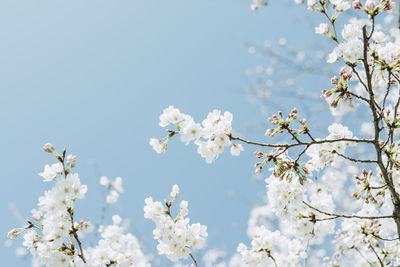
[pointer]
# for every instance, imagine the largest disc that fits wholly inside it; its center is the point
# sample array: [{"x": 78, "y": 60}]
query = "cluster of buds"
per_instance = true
[
  {"x": 365, "y": 192},
  {"x": 341, "y": 85},
  {"x": 392, "y": 152},
  {"x": 260, "y": 165},
  {"x": 371, "y": 230},
  {"x": 284, "y": 166},
  {"x": 71, "y": 161},
  {"x": 387, "y": 58},
  {"x": 304, "y": 129},
  {"x": 373, "y": 8},
  {"x": 68, "y": 162},
  {"x": 317, "y": 5},
  {"x": 283, "y": 124},
  {"x": 391, "y": 120}
]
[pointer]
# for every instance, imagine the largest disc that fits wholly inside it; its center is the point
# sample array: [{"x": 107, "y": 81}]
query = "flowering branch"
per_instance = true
[
  {"x": 378, "y": 149},
  {"x": 74, "y": 233}
]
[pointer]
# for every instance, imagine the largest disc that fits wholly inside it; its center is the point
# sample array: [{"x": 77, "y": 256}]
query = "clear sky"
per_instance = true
[{"x": 94, "y": 76}]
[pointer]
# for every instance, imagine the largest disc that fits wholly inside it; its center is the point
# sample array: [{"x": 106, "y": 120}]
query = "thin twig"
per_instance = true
[
  {"x": 194, "y": 260},
  {"x": 348, "y": 216},
  {"x": 376, "y": 254},
  {"x": 353, "y": 159}
]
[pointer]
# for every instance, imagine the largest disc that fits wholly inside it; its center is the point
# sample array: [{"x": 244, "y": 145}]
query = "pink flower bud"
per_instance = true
[
  {"x": 334, "y": 80},
  {"x": 357, "y": 4},
  {"x": 269, "y": 132},
  {"x": 347, "y": 75},
  {"x": 389, "y": 6},
  {"x": 343, "y": 71},
  {"x": 293, "y": 114},
  {"x": 48, "y": 147},
  {"x": 258, "y": 154},
  {"x": 326, "y": 93},
  {"x": 334, "y": 103},
  {"x": 370, "y": 5}
]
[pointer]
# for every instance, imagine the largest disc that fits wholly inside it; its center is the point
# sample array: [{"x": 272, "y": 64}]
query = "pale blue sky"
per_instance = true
[{"x": 94, "y": 76}]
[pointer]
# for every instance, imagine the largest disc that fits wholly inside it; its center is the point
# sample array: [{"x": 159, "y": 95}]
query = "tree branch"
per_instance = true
[{"x": 335, "y": 216}]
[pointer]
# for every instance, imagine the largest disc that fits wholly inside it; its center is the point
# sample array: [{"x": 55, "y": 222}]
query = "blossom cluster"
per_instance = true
[
  {"x": 48, "y": 236},
  {"x": 211, "y": 137},
  {"x": 302, "y": 199},
  {"x": 117, "y": 248},
  {"x": 272, "y": 249},
  {"x": 326, "y": 153},
  {"x": 360, "y": 235},
  {"x": 54, "y": 237},
  {"x": 176, "y": 237},
  {"x": 288, "y": 201}
]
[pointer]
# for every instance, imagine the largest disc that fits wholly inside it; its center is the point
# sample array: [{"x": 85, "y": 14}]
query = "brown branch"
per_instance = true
[
  {"x": 384, "y": 239},
  {"x": 194, "y": 260},
  {"x": 301, "y": 154},
  {"x": 386, "y": 176},
  {"x": 332, "y": 23},
  {"x": 387, "y": 89},
  {"x": 335, "y": 216},
  {"x": 358, "y": 96},
  {"x": 71, "y": 212},
  {"x": 75, "y": 235},
  {"x": 376, "y": 254},
  {"x": 309, "y": 135},
  {"x": 268, "y": 252},
  {"x": 301, "y": 143},
  {"x": 353, "y": 159}
]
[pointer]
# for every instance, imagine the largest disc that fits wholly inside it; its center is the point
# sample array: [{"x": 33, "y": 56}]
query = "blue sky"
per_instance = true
[{"x": 94, "y": 76}]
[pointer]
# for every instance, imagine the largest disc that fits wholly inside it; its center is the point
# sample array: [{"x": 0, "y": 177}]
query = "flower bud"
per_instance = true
[
  {"x": 13, "y": 233},
  {"x": 334, "y": 80},
  {"x": 36, "y": 215},
  {"x": 326, "y": 93},
  {"x": 269, "y": 132},
  {"x": 389, "y": 6},
  {"x": 342, "y": 71},
  {"x": 48, "y": 147},
  {"x": 334, "y": 103},
  {"x": 370, "y": 5},
  {"x": 345, "y": 73},
  {"x": 293, "y": 114},
  {"x": 258, "y": 154},
  {"x": 71, "y": 160},
  {"x": 357, "y": 4}
]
